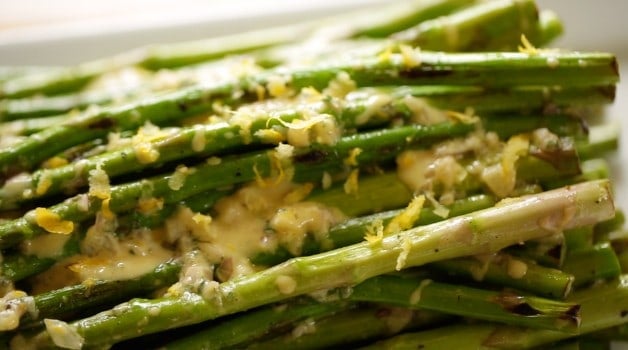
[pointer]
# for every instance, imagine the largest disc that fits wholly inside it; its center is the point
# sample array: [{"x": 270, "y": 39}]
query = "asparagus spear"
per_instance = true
[
  {"x": 175, "y": 55},
  {"x": 499, "y": 271},
  {"x": 601, "y": 307},
  {"x": 225, "y": 136},
  {"x": 486, "y": 26},
  {"x": 354, "y": 327},
  {"x": 590, "y": 265},
  {"x": 489, "y": 69},
  {"x": 353, "y": 230},
  {"x": 480, "y": 232},
  {"x": 69, "y": 301},
  {"x": 530, "y": 99},
  {"x": 309, "y": 165},
  {"x": 16, "y": 267},
  {"x": 11, "y": 72},
  {"x": 502, "y": 307},
  {"x": 216, "y": 138},
  {"x": 255, "y": 324},
  {"x": 30, "y": 126}
]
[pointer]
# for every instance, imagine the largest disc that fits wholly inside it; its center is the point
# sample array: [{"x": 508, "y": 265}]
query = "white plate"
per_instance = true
[{"x": 590, "y": 25}]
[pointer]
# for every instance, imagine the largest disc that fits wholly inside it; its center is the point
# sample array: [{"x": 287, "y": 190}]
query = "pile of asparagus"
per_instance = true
[{"x": 443, "y": 179}]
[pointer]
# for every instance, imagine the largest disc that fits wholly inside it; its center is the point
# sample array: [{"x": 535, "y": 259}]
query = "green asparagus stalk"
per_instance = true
[
  {"x": 354, "y": 326},
  {"x": 578, "y": 239},
  {"x": 601, "y": 307},
  {"x": 529, "y": 168},
  {"x": 603, "y": 229},
  {"x": 593, "y": 264},
  {"x": 602, "y": 139},
  {"x": 591, "y": 169},
  {"x": 520, "y": 99},
  {"x": 51, "y": 105},
  {"x": 12, "y": 72},
  {"x": 579, "y": 344},
  {"x": 69, "y": 301},
  {"x": 76, "y": 77},
  {"x": 353, "y": 230},
  {"x": 253, "y": 325},
  {"x": 489, "y": 69},
  {"x": 223, "y": 137},
  {"x": 502, "y": 307},
  {"x": 399, "y": 17},
  {"x": 450, "y": 97},
  {"x": 25, "y": 127},
  {"x": 480, "y": 232},
  {"x": 309, "y": 165},
  {"x": 16, "y": 267},
  {"x": 218, "y": 138},
  {"x": 176, "y": 55},
  {"x": 501, "y": 270},
  {"x": 486, "y": 26},
  {"x": 549, "y": 28},
  {"x": 549, "y": 252}
]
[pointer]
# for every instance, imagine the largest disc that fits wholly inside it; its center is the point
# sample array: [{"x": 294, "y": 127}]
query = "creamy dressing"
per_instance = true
[
  {"x": 45, "y": 246},
  {"x": 130, "y": 257}
]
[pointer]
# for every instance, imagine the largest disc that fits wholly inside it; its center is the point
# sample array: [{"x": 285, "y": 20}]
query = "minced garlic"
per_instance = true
[
  {"x": 285, "y": 284},
  {"x": 63, "y": 335},
  {"x": 99, "y": 183},
  {"x": 340, "y": 86},
  {"x": 411, "y": 56},
  {"x": 177, "y": 180}
]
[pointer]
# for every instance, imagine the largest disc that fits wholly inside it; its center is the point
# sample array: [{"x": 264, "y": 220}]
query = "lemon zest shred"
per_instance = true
[
  {"x": 375, "y": 232},
  {"x": 468, "y": 117},
  {"x": 43, "y": 185},
  {"x": 105, "y": 209},
  {"x": 527, "y": 47},
  {"x": 407, "y": 217},
  {"x": 351, "y": 160},
  {"x": 52, "y": 222},
  {"x": 258, "y": 178},
  {"x": 54, "y": 162}
]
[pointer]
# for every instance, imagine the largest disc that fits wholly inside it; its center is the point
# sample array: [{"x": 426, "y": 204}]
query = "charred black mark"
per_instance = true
[
  {"x": 383, "y": 312},
  {"x": 573, "y": 314},
  {"x": 515, "y": 304},
  {"x": 313, "y": 156},
  {"x": 104, "y": 123},
  {"x": 182, "y": 106},
  {"x": 623, "y": 313},
  {"x": 556, "y": 157},
  {"x": 238, "y": 173},
  {"x": 555, "y": 252},
  {"x": 426, "y": 71},
  {"x": 523, "y": 309},
  {"x": 608, "y": 91},
  {"x": 615, "y": 66},
  {"x": 388, "y": 149}
]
